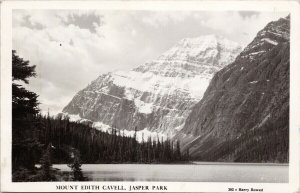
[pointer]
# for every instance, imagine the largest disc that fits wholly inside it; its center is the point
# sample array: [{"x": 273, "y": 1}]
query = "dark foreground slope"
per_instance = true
[{"x": 244, "y": 114}]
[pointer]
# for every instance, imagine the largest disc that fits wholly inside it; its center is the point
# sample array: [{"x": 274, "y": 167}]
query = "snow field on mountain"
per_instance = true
[
  {"x": 160, "y": 93},
  {"x": 142, "y": 135},
  {"x": 149, "y": 82}
]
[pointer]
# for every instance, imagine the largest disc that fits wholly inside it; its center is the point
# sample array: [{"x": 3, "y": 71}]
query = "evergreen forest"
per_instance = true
[{"x": 44, "y": 140}]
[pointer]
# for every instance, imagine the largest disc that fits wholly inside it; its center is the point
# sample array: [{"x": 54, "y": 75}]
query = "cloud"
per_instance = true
[
  {"x": 245, "y": 14},
  {"x": 157, "y": 19},
  {"x": 90, "y": 21},
  {"x": 73, "y": 47},
  {"x": 241, "y": 26}
]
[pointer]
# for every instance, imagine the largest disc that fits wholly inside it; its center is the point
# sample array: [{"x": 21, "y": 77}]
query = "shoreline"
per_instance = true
[{"x": 188, "y": 163}]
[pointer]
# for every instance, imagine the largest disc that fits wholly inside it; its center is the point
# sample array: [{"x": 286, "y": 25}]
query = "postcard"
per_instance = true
[{"x": 150, "y": 96}]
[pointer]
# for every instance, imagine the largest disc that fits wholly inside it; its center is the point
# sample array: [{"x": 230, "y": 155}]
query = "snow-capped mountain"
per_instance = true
[
  {"x": 274, "y": 33},
  {"x": 244, "y": 113},
  {"x": 156, "y": 96}
]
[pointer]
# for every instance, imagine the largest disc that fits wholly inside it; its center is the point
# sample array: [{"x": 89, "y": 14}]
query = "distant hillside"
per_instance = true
[{"x": 244, "y": 114}]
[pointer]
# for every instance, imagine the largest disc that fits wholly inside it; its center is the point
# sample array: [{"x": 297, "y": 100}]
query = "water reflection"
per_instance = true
[{"x": 183, "y": 173}]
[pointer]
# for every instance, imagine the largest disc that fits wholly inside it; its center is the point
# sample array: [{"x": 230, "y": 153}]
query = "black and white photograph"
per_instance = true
[{"x": 142, "y": 95}]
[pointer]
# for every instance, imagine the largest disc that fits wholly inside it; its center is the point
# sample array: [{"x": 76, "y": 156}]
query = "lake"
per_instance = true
[{"x": 197, "y": 172}]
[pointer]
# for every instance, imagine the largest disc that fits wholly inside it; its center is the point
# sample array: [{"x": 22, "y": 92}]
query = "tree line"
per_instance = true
[{"x": 106, "y": 147}]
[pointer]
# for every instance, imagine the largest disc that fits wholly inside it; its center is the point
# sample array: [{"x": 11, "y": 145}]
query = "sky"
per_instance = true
[{"x": 71, "y": 48}]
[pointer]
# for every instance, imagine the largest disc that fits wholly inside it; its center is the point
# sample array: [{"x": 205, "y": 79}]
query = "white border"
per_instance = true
[{"x": 6, "y": 47}]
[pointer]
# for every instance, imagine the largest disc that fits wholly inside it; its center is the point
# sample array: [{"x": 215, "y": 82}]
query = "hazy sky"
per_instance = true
[{"x": 72, "y": 48}]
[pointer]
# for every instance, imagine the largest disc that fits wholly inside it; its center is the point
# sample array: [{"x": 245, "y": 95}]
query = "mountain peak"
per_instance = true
[
  {"x": 208, "y": 40},
  {"x": 212, "y": 50},
  {"x": 209, "y": 37},
  {"x": 157, "y": 95},
  {"x": 274, "y": 33},
  {"x": 288, "y": 17}
]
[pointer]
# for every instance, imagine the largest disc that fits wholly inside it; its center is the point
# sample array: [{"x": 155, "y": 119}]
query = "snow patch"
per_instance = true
[
  {"x": 269, "y": 41},
  {"x": 264, "y": 120},
  {"x": 142, "y": 135},
  {"x": 277, "y": 34},
  {"x": 253, "y": 82},
  {"x": 143, "y": 107},
  {"x": 108, "y": 95},
  {"x": 158, "y": 84},
  {"x": 145, "y": 134},
  {"x": 255, "y": 53},
  {"x": 101, "y": 126},
  {"x": 73, "y": 118}
]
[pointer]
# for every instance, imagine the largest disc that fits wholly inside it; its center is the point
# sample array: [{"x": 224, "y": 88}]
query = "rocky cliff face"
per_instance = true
[
  {"x": 244, "y": 114},
  {"x": 157, "y": 95}
]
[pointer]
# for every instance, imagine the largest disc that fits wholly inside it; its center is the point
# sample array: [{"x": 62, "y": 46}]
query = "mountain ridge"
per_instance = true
[
  {"x": 156, "y": 95},
  {"x": 244, "y": 111}
]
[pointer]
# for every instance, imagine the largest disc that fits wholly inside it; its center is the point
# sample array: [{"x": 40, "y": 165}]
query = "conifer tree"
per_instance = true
[
  {"x": 24, "y": 102},
  {"x": 25, "y": 144},
  {"x": 178, "y": 152},
  {"x": 46, "y": 166},
  {"x": 76, "y": 169}
]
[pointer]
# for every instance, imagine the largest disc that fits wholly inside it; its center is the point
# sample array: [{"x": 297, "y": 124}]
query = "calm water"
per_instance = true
[{"x": 199, "y": 172}]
